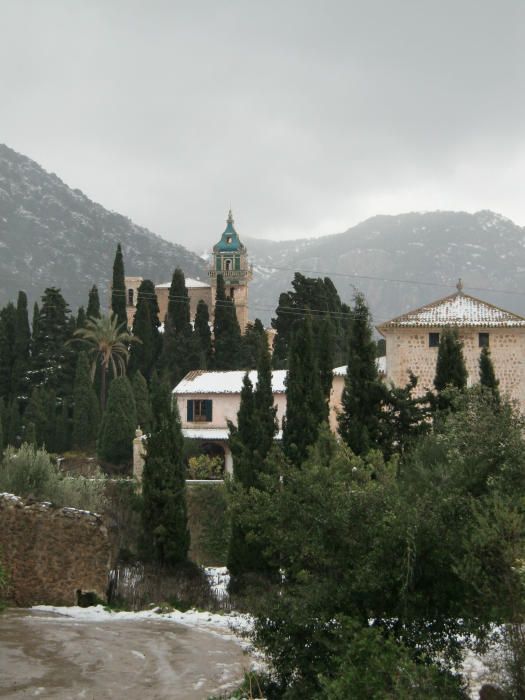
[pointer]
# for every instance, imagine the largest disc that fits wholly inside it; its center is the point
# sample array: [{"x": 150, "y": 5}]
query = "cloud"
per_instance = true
[{"x": 305, "y": 116}]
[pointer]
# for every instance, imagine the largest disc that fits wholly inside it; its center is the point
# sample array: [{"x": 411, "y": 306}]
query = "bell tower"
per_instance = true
[{"x": 230, "y": 259}]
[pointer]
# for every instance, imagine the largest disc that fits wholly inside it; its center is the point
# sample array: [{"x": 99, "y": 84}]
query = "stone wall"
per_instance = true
[
  {"x": 49, "y": 553},
  {"x": 408, "y": 349}
]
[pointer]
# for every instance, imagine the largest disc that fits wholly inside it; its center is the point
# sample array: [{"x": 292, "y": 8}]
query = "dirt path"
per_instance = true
[{"x": 51, "y": 656}]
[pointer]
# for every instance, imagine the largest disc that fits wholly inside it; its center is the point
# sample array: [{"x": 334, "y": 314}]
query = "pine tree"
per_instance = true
[
  {"x": 144, "y": 355},
  {"x": 86, "y": 413},
  {"x": 1, "y": 433},
  {"x": 203, "y": 335},
  {"x": 306, "y": 407},
  {"x": 118, "y": 290},
  {"x": 119, "y": 423},
  {"x": 166, "y": 537},
  {"x": 487, "y": 375},
  {"x": 404, "y": 418},
  {"x": 451, "y": 372},
  {"x": 180, "y": 351},
  {"x": 7, "y": 349},
  {"x": 93, "y": 307},
  {"x": 49, "y": 352},
  {"x": 363, "y": 393},
  {"x": 22, "y": 346},
  {"x": 226, "y": 331},
  {"x": 142, "y": 402}
]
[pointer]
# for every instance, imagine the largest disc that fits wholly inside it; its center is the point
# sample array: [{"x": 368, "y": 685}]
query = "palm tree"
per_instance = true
[{"x": 108, "y": 344}]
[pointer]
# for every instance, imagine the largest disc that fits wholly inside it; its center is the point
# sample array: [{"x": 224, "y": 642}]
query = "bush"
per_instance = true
[
  {"x": 205, "y": 467},
  {"x": 30, "y": 472}
]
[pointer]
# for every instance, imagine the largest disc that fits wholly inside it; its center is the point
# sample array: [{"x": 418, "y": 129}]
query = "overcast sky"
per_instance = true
[{"x": 307, "y": 116}]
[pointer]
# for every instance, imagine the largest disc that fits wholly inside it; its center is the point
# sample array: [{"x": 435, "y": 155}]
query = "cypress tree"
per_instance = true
[
  {"x": 160, "y": 393},
  {"x": 226, "y": 331},
  {"x": 363, "y": 393},
  {"x": 487, "y": 375},
  {"x": 180, "y": 352},
  {"x": 30, "y": 434},
  {"x": 203, "y": 334},
  {"x": 93, "y": 307},
  {"x": 450, "y": 366},
  {"x": 8, "y": 318},
  {"x": 1, "y": 433},
  {"x": 22, "y": 348},
  {"x": 63, "y": 428},
  {"x": 49, "y": 351},
  {"x": 142, "y": 402},
  {"x": 144, "y": 355},
  {"x": 81, "y": 317},
  {"x": 118, "y": 290},
  {"x": 326, "y": 354},
  {"x": 305, "y": 404},
  {"x": 264, "y": 403},
  {"x": 41, "y": 412},
  {"x": 119, "y": 423},
  {"x": 166, "y": 538},
  {"x": 86, "y": 413},
  {"x": 250, "y": 343}
]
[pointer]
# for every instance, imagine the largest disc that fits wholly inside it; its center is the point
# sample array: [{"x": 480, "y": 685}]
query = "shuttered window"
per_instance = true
[{"x": 200, "y": 410}]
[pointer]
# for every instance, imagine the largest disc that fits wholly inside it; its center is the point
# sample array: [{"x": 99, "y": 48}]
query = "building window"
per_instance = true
[
  {"x": 433, "y": 340},
  {"x": 483, "y": 340},
  {"x": 200, "y": 410},
  {"x": 228, "y": 239},
  {"x": 130, "y": 297},
  {"x": 228, "y": 264}
]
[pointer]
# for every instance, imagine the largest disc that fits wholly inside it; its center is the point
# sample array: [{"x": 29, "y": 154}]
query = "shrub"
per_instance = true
[{"x": 205, "y": 467}]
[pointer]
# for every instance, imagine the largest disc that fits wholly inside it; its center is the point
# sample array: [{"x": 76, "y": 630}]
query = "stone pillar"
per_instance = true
[
  {"x": 138, "y": 455},
  {"x": 228, "y": 459}
]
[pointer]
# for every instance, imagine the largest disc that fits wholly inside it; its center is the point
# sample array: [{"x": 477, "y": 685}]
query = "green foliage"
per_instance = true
[
  {"x": 450, "y": 366},
  {"x": 22, "y": 346},
  {"x": 30, "y": 472},
  {"x": 487, "y": 375},
  {"x": 142, "y": 402},
  {"x": 49, "y": 344},
  {"x": 118, "y": 290},
  {"x": 119, "y": 423},
  {"x": 363, "y": 394},
  {"x": 203, "y": 335},
  {"x": 144, "y": 355},
  {"x": 86, "y": 413},
  {"x": 254, "y": 335},
  {"x": 41, "y": 413},
  {"x": 226, "y": 331},
  {"x": 166, "y": 536},
  {"x": 205, "y": 467},
  {"x": 209, "y": 523},
  {"x": 403, "y": 418},
  {"x": 93, "y": 307},
  {"x": 319, "y": 299},
  {"x": 306, "y": 407},
  {"x": 180, "y": 352},
  {"x": 7, "y": 349}
]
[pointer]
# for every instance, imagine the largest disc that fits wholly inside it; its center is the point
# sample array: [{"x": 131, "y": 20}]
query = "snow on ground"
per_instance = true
[{"x": 227, "y": 626}]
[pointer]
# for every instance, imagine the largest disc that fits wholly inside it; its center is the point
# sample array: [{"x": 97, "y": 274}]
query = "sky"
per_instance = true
[{"x": 305, "y": 116}]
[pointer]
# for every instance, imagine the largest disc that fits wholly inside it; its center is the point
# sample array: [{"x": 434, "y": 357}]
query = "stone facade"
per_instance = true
[
  {"x": 51, "y": 553},
  {"x": 407, "y": 349}
]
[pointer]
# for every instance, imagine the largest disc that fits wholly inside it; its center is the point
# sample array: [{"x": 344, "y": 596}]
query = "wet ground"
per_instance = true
[{"x": 52, "y": 656}]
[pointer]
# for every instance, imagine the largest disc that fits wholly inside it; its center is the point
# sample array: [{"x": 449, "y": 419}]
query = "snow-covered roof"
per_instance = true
[
  {"x": 202, "y": 382},
  {"x": 457, "y": 310},
  {"x": 214, "y": 434},
  {"x": 380, "y": 363},
  {"x": 190, "y": 284}
]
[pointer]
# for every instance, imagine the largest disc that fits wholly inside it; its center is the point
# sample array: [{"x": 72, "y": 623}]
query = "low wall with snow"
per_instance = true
[{"x": 50, "y": 553}]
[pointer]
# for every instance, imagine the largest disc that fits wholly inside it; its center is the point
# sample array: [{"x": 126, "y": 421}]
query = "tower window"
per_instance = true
[
  {"x": 483, "y": 339},
  {"x": 227, "y": 264},
  {"x": 228, "y": 239},
  {"x": 130, "y": 297},
  {"x": 433, "y": 340}
]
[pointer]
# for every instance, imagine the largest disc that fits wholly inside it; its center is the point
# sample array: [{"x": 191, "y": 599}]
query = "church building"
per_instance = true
[{"x": 229, "y": 258}]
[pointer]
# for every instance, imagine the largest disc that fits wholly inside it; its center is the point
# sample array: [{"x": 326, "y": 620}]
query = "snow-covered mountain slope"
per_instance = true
[
  {"x": 401, "y": 262},
  {"x": 53, "y": 235}
]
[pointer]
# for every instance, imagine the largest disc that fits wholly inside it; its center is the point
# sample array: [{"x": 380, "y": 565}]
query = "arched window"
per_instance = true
[
  {"x": 130, "y": 297},
  {"x": 228, "y": 265}
]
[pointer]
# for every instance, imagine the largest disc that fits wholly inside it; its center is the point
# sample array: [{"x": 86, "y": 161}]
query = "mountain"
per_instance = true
[
  {"x": 401, "y": 262},
  {"x": 53, "y": 235}
]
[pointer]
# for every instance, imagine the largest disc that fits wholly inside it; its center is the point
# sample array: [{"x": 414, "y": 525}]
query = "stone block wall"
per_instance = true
[
  {"x": 408, "y": 349},
  {"x": 49, "y": 553}
]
